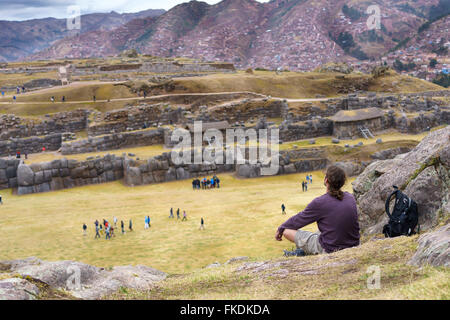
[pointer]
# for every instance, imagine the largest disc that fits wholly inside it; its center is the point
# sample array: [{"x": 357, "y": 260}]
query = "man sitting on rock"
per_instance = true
[{"x": 336, "y": 216}]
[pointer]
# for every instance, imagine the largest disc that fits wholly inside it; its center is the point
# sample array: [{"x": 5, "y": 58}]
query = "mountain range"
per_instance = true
[{"x": 292, "y": 34}]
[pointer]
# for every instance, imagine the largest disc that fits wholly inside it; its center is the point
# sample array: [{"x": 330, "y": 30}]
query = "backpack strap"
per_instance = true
[{"x": 388, "y": 201}]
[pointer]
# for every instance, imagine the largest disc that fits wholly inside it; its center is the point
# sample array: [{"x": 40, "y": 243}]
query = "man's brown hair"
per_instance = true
[{"x": 336, "y": 180}]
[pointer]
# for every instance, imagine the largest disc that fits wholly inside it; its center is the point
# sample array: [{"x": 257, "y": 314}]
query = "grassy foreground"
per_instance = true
[
  {"x": 342, "y": 275},
  {"x": 240, "y": 219}
]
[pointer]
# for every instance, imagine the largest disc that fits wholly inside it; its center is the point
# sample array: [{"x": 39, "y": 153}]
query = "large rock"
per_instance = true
[
  {"x": 17, "y": 289},
  {"x": 423, "y": 174},
  {"x": 248, "y": 171},
  {"x": 433, "y": 249},
  {"x": 389, "y": 153},
  {"x": 350, "y": 168},
  {"x": 82, "y": 280},
  {"x": 25, "y": 175}
]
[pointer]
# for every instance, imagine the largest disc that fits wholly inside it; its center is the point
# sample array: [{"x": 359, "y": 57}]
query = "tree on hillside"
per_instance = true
[
  {"x": 433, "y": 63},
  {"x": 442, "y": 80},
  {"x": 352, "y": 13}
]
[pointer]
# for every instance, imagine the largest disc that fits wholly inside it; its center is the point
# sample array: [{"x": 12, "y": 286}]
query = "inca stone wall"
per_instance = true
[
  {"x": 157, "y": 67},
  {"x": 242, "y": 111},
  {"x": 162, "y": 169},
  {"x": 12, "y": 126},
  {"x": 8, "y": 173},
  {"x": 51, "y": 142},
  {"x": 135, "y": 118},
  {"x": 114, "y": 141},
  {"x": 306, "y": 129},
  {"x": 63, "y": 174}
]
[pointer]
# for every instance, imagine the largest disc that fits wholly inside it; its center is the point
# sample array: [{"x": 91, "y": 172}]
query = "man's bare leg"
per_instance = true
[{"x": 289, "y": 234}]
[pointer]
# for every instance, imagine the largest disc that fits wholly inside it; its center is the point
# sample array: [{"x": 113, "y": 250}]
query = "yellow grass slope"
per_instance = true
[{"x": 241, "y": 219}]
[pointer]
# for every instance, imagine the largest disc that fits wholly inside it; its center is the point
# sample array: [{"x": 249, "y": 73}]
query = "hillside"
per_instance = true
[
  {"x": 291, "y": 34},
  {"x": 21, "y": 38}
]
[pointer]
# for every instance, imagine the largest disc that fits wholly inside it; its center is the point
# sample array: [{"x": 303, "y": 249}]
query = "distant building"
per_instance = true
[{"x": 347, "y": 124}]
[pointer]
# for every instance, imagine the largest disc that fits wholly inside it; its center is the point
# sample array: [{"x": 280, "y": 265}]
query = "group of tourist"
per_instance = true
[
  {"x": 171, "y": 216},
  {"x": 307, "y": 182},
  {"x": 206, "y": 183},
  {"x": 107, "y": 228}
]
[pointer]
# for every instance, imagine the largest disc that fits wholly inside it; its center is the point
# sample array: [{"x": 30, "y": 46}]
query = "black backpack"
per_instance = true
[{"x": 404, "y": 217}]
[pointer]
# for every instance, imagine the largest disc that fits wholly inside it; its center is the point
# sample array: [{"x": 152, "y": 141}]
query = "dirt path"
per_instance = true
[{"x": 157, "y": 97}]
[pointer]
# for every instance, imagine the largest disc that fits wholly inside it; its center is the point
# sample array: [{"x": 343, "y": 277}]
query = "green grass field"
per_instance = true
[{"x": 240, "y": 219}]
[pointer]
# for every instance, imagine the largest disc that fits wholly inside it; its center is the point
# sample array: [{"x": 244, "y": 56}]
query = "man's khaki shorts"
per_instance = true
[{"x": 308, "y": 242}]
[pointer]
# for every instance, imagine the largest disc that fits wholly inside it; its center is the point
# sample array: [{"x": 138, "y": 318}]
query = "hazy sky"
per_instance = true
[{"x": 34, "y": 9}]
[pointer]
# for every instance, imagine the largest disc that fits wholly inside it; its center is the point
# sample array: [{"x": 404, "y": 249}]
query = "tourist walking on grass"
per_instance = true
[
  {"x": 171, "y": 213},
  {"x": 306, "y": 186},
  {"x": 122, "y": 225},
  {"x": 115, "y": 221},
  {"x": 130, "y": 225},
  {"x": 303, "y": 186},
  {"x": 107, "y": 233},
  {"x": 178, "y": 214},
  {"x": 310, "y": 178},
  {"x": 146, "y": 222},
  {"x": 149, "y": 224},
  {"x": 202, "y": 224},
  {"x": 97, "y": 233},
  {"x": 1, "y": 201},
  {"x": 283, "y": 209},
  {"x": 84, "y": 229},
  {"x": 184, "y": 216}
]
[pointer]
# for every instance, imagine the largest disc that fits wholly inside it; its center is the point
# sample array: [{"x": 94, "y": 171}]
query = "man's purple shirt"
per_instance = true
[{"x": 337, "y": 221}]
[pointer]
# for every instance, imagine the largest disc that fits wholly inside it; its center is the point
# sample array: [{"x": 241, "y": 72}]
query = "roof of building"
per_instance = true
[
  {"x": 220, "y": 125},
  {"x": 357, "y": 115}
]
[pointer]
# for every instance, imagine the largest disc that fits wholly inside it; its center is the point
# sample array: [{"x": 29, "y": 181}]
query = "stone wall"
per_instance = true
[
  {"x": 422, "y": 122},
  {"x": 12, "y": 126},
  {"x": 306, "y": 129},
  {"x": 114, "y": 141},
  {"x": 162, "y": 169},
  {"x": 51, "y": 142},
  {"x": 243, "y": 111},
  {"x": 8, "y": 173},
  {"x": 135, "y": 118},
  {"x": 63, "y": 173},
  {"x": 157, "y": 67}
]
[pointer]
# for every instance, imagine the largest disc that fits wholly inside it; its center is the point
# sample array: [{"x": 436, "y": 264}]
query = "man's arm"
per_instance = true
[{"x": 309, "y": 215}]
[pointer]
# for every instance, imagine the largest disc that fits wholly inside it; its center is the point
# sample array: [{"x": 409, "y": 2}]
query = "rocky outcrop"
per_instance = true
[
  {"x": 423, "y": 174},
  {"x": 17, "y": 289},
  {"x": 434, "y": 248},
  {"x": 350, "y": 168},
  {"x": 389, "y": 153},
  {"x": 78, "y": 279}
]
